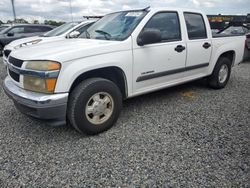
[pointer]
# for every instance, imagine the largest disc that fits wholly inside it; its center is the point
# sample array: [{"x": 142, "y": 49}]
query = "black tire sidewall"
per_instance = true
[
  {"x": 80, "y": 121},
  {"x": 215, "y": 76}
]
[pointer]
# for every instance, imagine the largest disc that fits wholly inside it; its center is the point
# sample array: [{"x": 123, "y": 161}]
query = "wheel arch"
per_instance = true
[
  {"x": 228, "y": 54},
  {"x": 112, "y": 73}
]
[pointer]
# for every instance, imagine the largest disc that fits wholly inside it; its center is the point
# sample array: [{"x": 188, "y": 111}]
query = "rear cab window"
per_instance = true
[
  {"x": 196, "y": 27},
  {"x": 168, "y": 24}
]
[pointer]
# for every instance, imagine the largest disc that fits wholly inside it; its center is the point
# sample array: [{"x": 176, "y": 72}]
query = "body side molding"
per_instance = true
[{"x": 165, "y": 73}]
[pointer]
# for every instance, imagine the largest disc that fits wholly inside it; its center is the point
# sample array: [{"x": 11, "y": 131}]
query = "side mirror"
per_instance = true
[
  {"x": 73, "y": 34},
  {"x": 149, "y": 36},
  {"x": 10, "y": 34}
]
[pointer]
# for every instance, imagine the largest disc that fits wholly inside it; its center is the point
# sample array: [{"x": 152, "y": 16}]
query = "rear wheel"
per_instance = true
[
  {"x": 94, "y": 106},
  {"x": 221, "y": 74}
]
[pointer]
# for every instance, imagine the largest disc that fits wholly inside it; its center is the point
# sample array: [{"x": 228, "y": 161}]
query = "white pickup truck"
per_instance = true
[{"x": 123, "y": 55}]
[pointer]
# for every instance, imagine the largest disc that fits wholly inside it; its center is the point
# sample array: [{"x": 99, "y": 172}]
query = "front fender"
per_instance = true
[{"x": 70, "y": 71}]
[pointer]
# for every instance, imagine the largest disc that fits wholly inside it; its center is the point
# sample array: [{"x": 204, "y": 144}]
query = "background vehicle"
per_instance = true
[
  {"x": 123, "y": 55},
  {"x": 232, "y": 25},
  {"x": 239, "y": 30},
  {"x": 221, "y": 21},
  {"x": 2, "y": 27},
  {"x": 61, "y": 32},
  {"x": 21, "y": 31}
]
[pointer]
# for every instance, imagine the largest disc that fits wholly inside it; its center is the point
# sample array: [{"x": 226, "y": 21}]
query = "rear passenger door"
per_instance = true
[
  {"x": 155, "y": 64},
  {"x": 198, "y": 45}
]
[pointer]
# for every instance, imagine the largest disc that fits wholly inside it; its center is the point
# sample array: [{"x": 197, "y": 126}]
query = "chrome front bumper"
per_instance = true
[{"x": 42, "y": 106}]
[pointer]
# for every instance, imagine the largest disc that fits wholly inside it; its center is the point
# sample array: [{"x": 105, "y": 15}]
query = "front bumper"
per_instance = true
[{"x": 50, "y": 107}]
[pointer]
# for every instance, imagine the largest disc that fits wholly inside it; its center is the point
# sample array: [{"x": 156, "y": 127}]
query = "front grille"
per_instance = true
[
  {"x": 14, "y": 76},
  {"x": 6, "y": 52},
  {"x": 15, "y": 62}
]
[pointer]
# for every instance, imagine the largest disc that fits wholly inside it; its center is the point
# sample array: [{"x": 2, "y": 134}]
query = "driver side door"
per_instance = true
[{"x": 156, "y": 64}]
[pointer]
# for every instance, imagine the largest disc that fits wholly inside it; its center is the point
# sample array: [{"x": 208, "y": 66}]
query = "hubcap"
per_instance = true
[
  {"x": 99, "y": 108},
  {"x": 223, "y": 73}
]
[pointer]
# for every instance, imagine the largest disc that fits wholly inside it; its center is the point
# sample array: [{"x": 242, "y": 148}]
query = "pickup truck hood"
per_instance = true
[{"x": 68, "y": 49}]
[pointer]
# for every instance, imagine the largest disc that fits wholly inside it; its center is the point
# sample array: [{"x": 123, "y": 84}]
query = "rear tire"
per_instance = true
[
  {"x": 221, "y": 74},
  {"x": 94, "y": 106}
]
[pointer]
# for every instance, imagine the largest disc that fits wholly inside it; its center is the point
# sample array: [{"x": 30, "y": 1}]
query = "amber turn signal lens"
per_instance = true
[
  {"x": 50, "y": 84},
  {"x": 53, "y": 65}
]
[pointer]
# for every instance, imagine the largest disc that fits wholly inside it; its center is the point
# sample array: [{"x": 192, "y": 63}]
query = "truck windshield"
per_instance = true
[
  {"x": 115, "y": 26},
  {"x": 60, "y": 30}
]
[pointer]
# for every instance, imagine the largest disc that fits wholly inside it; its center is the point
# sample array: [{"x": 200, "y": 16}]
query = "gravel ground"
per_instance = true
[{"x": 186, "y": 136}]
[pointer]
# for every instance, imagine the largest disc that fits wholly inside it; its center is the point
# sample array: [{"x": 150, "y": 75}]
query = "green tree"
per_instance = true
[
  {"x": 36, "y": 22},
  {"x": 21, "y": 20},
  {"x": 53, "y": 23}
]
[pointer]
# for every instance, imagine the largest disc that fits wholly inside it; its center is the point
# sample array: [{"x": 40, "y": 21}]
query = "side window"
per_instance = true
[
  {"x": 32, "y": 29},
  {"x": 195, "y": 26},
  {"x": 16, "y": 30},
  {"x": 168, "y": 24}
]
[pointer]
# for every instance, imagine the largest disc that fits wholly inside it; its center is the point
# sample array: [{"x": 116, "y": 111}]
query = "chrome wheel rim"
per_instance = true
[
  {"x": 223, "y": 73},
  {"x": 99, "y": 108}
]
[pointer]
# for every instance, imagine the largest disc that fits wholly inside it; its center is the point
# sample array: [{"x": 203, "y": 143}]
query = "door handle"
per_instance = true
[
  {"x": 180, "y": 48},
  {"x": 206, "y": 45}
]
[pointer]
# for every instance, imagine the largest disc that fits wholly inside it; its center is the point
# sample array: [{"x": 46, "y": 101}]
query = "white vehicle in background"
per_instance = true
[{"x": 67, "y": 30}]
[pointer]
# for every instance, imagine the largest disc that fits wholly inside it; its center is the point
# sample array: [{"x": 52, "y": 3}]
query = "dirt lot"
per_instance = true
[{"x": 189, "y": 136}]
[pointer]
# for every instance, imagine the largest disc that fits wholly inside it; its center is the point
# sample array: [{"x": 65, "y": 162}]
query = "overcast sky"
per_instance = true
[{"x": 60, "y": 9}]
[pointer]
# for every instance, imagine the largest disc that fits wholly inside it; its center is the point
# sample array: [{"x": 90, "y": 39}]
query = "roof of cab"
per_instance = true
[{"x": 174, "y": 9}]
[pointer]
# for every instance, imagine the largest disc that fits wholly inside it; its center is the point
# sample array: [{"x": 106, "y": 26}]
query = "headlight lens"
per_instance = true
[
  {"x": 39, "y": 84},
  {"x": 43, "y": 65},
  {"x": 36, "y": 83}
]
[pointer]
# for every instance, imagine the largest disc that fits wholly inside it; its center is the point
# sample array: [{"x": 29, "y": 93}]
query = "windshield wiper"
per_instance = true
[{"x": 106, "y": 34}]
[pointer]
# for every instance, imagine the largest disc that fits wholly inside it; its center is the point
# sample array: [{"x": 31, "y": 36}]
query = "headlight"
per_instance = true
[
  {"x": 28, "y": 43},
  {"x": 43, "y": 65},
  {"x": 43, "y": 76}
]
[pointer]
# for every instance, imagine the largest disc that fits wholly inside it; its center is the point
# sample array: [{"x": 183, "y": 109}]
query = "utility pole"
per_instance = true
[
  {"x": 13, "y": 9},
  {"x": 71, "y": 11}
]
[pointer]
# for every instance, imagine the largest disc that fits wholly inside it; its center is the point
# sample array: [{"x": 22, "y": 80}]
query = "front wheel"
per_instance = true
[
  {"x": 94, "y": 106},
  {"x": 221, "y": 74}
]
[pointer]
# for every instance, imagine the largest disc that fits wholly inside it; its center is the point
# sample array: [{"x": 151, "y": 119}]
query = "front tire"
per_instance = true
[
  {"x": 221, "y": 74},
  {"x": 1, "y": 50},
  {"x": 94, "y": 106}
]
